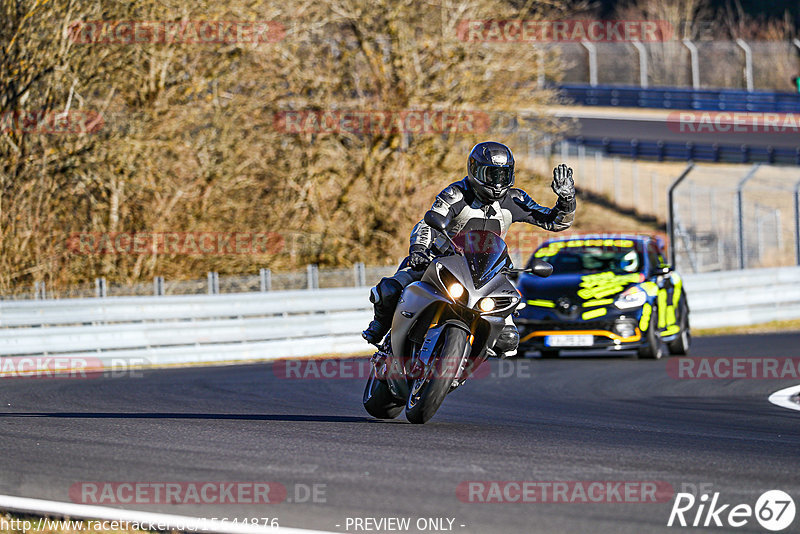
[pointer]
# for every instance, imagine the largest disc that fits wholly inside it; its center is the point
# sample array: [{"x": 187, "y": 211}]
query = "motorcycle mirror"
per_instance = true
[
  {"x": 437, "y": 221},
  {"x": 541, "y": 268}
]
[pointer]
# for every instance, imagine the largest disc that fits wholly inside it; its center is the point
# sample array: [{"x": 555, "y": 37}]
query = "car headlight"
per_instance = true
[
  {"x": 455, "y": 290},
  {"x": 631, "y": 298},
  {"x": 486, "y": 304}
]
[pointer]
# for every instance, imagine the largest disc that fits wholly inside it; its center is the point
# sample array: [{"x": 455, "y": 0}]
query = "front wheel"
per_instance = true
[
  {"x": 428, "y": 391},
  {"x": 379, "y": 401},
  {"x": 680, "y": 345},
  {"x": 653, "y": 349}
]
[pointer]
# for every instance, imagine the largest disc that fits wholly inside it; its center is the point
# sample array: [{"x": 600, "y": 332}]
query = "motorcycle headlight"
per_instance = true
[
  {"x": 631, "y": 298},
  {"x": 486, "y": 304},
  {"x": 456, "y": 290}
]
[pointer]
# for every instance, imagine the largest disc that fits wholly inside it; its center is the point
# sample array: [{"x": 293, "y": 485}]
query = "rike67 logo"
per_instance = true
[{"x": 774, "y": 510}]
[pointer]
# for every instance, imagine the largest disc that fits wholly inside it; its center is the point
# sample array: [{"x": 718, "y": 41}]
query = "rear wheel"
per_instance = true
[
  {"x": 680, "y": 345},
  {"x": 653, "y": 349},
  {"x": 429, "y": 391},
  {"x": 379, "y": 401},
  {"x": 549, "y": 353}
]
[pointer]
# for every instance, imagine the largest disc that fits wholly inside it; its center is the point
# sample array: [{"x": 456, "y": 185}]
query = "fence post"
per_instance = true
[
  {"x": 213, "y": 283},
  {"x": 360, "y": 274},
  {"x": 564, "y": 151},
  {"x": 748, "y": 63},
  {"x": 617, "y": 181},
  {"x": 158, "y": 286},
  {"x": 740, "y": 211},
  {"x": 797, "y": 214},
  {"x": 671, "y": 211},
  {"x": 265, "y": 276},
  {"x": 592, "y": 50},
  {"x": 39, "y": 292},
  {"x": 636, "y": 185},
  {"x": 540, "y": 65},
  {"x": 654, "y": 193},
  {"x": 695, "y": 62},
  {"x": 100, "y": 288},
  {"x": 312, "y": 271},
  {"x": 642, "y": 51}
]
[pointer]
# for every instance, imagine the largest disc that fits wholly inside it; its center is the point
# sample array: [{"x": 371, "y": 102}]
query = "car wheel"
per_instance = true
[
  {"x": 653, "y": 349},
  {"x": 549, "y": 353},
  {"x": 680, "y": 345}
]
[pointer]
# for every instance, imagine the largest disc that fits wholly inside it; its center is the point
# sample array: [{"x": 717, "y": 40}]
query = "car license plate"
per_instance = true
[{"x": 573, "y": 340}]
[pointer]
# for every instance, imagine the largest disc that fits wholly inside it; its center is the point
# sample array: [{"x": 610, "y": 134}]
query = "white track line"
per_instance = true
[
  {"x": 783, "y": 398},
  {"x": 170, "y": 522}
]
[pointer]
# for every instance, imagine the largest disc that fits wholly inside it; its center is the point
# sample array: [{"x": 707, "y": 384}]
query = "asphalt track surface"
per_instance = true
[
  {"x": 608, "y": 418},
  {"x": 669, "y": 131}
]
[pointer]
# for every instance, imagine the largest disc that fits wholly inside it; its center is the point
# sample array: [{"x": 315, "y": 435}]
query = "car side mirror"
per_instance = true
[
  {"x": 666, "y": 269},
  {"x": 437, "y": 221}
]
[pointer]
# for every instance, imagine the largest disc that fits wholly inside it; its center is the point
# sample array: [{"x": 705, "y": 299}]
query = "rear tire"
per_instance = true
[
  {"x": 549, "y": 354},
  {"x": 653, "y": 349},
  {"x": 379, "y": 401},
  {"x": 428, "y": 393},
  {"x": 680, "y": 345}
]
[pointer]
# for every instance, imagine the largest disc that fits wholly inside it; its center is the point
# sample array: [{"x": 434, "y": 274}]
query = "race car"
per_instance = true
[{"x": 606, "y": 292}]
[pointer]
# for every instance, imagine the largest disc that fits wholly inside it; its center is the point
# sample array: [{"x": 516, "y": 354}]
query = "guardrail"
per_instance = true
[
  {"x": 674, "y": 98},
  {"x": 233, "y": 327},
  {"x": 688, "y": 151}
]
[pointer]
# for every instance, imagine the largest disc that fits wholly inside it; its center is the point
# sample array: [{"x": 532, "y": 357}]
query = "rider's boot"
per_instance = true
[
  {"x": 384, "y": 297},
  {"x": 507, "y": 342}
]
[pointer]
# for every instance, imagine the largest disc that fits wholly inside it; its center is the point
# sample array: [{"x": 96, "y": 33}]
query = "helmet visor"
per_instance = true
[{"x": 495, "y": 176}]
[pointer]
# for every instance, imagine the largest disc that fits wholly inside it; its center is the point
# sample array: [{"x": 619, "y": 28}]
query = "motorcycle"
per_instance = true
[{"x": 445, "y": 326}]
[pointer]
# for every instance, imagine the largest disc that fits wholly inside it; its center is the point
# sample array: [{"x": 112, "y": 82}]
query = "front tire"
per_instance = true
[
  {"x": 379, "y": 401},
  {"x": 653, "y": 349},
  {"x": 680, "y": 345},
  {"x": 428, "y": 392}
]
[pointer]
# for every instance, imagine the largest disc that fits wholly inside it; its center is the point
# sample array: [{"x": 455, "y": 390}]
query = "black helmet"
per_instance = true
[{"x": 490, "y": 170}]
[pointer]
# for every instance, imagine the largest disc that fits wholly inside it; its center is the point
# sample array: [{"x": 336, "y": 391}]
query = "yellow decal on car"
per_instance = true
[
  {"x": 599, "y": 302},
  {"x": 662, "y": 308},
  {"x": 600, "y": 285},
  {"x": 591, "y": 314},
  {"x": 542, "y": 303},
  {"x": 644, "y": 322}
]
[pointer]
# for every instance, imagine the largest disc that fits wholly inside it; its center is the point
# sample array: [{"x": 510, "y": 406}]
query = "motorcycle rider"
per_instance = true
[{"x": 483, "y": 200}]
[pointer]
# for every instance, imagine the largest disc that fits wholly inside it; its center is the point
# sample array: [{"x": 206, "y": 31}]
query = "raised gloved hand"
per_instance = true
[
  {"x": 418, "y": 258},
  {"x": 563, "y": 186}
]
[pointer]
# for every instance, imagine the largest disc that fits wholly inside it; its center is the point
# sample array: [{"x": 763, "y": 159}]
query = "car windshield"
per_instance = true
[
  {"x": 486, "y": 254},
  {"x": 620, "y": 256}
]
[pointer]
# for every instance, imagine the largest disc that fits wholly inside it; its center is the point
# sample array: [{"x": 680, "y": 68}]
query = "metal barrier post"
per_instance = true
[
  {"x": 740, "y": 211},
  {"x": 592, "y": 50},
  {"x": 39, "y": 292},
  {"x": 695, "y": 62},
  {"x": 213, "y": 283},
  {"x": 360, "y": 274},
  {"x": 158, "y": 286},
  {"x": 748, "y": 63},
  {"x": 642, "y": 51},
  {"x": 312, "y": 271},
  {"x": 100, "y": 288},
  {"x": 671, "y": 211},
  {"x": 265, "y": 276}
]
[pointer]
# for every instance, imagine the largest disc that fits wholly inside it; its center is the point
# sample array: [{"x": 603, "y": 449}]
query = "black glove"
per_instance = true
[
  {"x": 418, "y": 258},
  {"x": 563, "y": 186}
]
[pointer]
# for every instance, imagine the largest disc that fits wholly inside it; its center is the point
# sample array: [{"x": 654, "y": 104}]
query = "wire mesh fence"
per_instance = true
[{"x": 669, "y": 63}]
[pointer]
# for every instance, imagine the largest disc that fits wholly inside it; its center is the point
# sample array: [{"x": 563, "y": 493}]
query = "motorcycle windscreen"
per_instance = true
[{"x": 486, "y": 254}]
